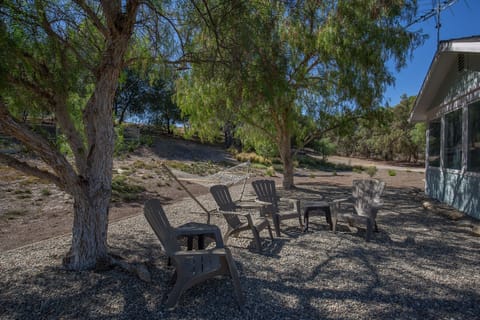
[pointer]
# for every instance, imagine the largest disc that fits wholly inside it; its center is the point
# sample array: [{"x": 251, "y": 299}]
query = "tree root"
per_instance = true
[{"x": 137, "y": 268}]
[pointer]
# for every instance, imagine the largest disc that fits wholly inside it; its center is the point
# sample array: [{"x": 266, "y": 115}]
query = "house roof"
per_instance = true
[{"x": 443, "y": 61}]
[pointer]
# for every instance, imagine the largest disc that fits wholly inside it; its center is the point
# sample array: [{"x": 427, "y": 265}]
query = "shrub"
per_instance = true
[
  {"x": 122, "y": 190},
  {"x": 324, "y": 147},
  {"x": 358, "y": 169},
  {"x": 270, "y": 171},
  {"x": 392, "y": 173},
  {"x": 371, "y": 171},
  {"x": 252, "y": 157}
]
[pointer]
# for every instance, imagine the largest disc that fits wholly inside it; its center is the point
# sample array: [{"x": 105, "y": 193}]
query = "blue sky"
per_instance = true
[{"x": 462, "y": 19}]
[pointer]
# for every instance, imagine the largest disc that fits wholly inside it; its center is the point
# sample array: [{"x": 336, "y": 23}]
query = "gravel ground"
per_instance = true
[{"x": 419, "y": 266}]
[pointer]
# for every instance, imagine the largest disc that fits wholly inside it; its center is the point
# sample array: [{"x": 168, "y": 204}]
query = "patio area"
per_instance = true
[{"x": 419, "y": 266}]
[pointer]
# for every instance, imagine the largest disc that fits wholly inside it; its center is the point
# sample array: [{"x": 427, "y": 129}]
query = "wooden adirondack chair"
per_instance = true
[
  {"x": 366, "y": 203},
  {"x": 228, "y": 209},
  {"x": 266, "y": 192},
  {"x": 191, "y": 267}
]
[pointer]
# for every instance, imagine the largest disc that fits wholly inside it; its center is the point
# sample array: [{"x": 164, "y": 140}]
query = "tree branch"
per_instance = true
[
  {"x": 30, "y": 170},
  {"x": 93, "y": 16},
  {"x": 66, "y": 175}
]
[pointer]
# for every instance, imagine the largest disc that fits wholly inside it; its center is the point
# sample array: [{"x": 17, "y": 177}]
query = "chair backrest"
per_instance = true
[
  {"x": 371, "y": 189},
  {"x": 225, "y": 203},
  {"x": 367, "y": 195},
  {"x": 265, "y": 191},
  {"x": 157, "y": 219}
]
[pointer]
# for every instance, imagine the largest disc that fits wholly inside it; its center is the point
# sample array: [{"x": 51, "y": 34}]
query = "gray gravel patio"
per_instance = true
[{"x": 419, "y": 266}]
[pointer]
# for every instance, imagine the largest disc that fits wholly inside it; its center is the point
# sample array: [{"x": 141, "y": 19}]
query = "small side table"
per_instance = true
[
  {"x": 200, "y": 230},
  {"x": 315, "y": 208}
]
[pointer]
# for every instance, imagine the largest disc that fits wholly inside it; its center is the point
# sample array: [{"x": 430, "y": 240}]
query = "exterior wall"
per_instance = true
[
  {"x": 458, "y": 84},
  {"x": 458, "y": 90},
  {"x": 460, "y": 190}
]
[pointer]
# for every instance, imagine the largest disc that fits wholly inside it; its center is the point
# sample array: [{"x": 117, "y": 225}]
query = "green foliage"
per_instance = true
[
  {"x": 358, "y": 169},
  {"x": 371, "y": 171},
  {"x": 253, "y": 158},
  {"x": 324, "y": 147},
  {"x": 392, "y": 173},
  {"x": 144, "y": 96},
  {"x": 387, "y": 135},
  {"x": 312, "y": 163},
  {"x": 292, "y": 72},
  {"x": 270, "y": 171},
  {"x": 46, "y": 192},
  {"x": 200, "y": 168},
  {"x": 122, "y": 190},
  {"x": 123, "y": 145},
  {"x": 262, "y": 147},
  {"x": 62, "y": 145}
]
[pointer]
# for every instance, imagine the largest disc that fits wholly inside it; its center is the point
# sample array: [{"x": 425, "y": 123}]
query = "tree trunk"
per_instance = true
[
  {"x": 92, "y": 197},
  {"x": 285, "y": 150},
  {"x": 89, "y": 241}
]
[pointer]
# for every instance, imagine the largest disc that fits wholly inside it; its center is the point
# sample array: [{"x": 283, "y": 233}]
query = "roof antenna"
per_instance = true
[
  {"x": 434, "y": 12},
  {"x": 438, "y": 25}
]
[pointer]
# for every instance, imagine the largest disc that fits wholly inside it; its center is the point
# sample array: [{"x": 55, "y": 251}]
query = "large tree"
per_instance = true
[
  {"x": 65, "y": 57},
  {"x": 274, "y": 62}
]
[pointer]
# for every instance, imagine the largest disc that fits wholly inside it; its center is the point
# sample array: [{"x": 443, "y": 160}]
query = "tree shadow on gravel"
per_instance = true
[{"x": 417, "y": 267}]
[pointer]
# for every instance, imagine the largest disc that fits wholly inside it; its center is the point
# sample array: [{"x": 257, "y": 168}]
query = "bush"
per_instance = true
[
  {"x": 392, "y": 173},
  {"x": 357, "y": 169},
  {"x": 122, "y": 190},
  {"x": 252, "y": 157},
  {"x": 371, "y": 171},
  {"x": 270, "y": 171},
  {"x": 324, "y": 147}
]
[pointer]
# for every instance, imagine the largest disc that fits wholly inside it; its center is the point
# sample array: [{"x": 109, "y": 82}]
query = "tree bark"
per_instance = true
[
  {"x": 285, "y": 150},
  {"x": 89, "y": 233},
  {"x": 89, "y": 240}
]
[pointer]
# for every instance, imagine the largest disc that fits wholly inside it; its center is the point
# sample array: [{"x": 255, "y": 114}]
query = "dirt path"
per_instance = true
[{"x": 379, "y": 164}]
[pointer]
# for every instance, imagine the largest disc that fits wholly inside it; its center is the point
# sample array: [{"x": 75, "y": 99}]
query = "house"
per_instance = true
[{"x": 449, "y": 102}]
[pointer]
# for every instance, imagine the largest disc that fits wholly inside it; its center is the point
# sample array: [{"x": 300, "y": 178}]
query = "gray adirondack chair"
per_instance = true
[
  {"x": 191, "y": 267},
  {"x": 366, "y": 197},
  {"x": 266, "y": 192},
  {"x": 231, "y": 213}
]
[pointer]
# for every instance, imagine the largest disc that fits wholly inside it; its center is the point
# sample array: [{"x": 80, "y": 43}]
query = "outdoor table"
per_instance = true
[
  {"x": 311, "y": 208},
  {"x": 253, "y": 204},
  {"x": 199, "y": 230}
]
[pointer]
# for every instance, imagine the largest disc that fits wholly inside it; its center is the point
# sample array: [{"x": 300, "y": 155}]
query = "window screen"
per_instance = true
[
  {"x": 434, "y": 143},
  {"x": 453, "y": 140},
  {"x": 474, "y": 137}
]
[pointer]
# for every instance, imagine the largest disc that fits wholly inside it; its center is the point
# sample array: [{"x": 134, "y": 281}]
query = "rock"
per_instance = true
[
  {"x": 476, "y": 230},
  {"x": 427, "y": 205}
]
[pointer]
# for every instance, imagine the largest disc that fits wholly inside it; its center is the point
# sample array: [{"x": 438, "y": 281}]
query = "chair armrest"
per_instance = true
[
  {"x": 377, "y": 204},
  {"x": 265, "y": 203},
  {"x": 293, "y": 203},
  {"x": 244, "y": 214},
  {"x": 193, "y": 229},
  {"x": 191, "y": 253}
]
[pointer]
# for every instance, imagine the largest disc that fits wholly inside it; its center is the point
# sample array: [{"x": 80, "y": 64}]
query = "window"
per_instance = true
[
  {"x": 474, "y": 137},
  {"x": 453, "y": 140},
  {"x": 434, "y": 130}
]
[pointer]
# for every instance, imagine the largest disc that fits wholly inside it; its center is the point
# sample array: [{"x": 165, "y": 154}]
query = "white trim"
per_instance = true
[{"x": 460, "y": 47}]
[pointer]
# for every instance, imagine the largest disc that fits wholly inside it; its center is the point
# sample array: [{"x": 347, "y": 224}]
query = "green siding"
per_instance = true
[
  {"x": 457, "y": 84},
  {"x": 458, "y": 190}
]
